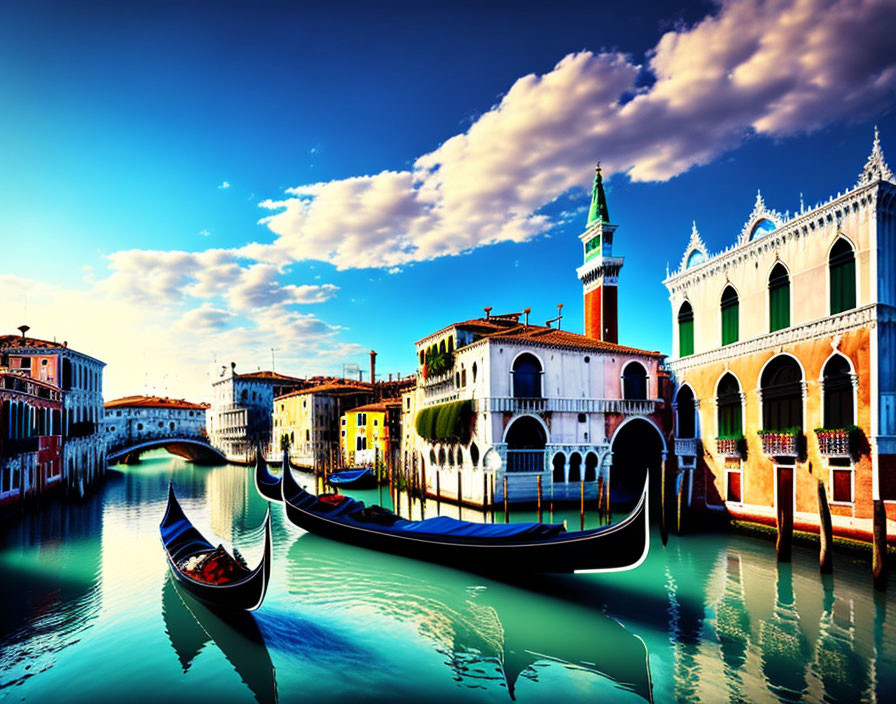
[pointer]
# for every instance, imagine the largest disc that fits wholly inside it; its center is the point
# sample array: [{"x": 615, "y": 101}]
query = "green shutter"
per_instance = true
[
  {"x": 779, "y": 307},
  {"x": 685, "y": 338},
  {"x": 843, "y": 286},
  {"x": 730, "y": 322}
]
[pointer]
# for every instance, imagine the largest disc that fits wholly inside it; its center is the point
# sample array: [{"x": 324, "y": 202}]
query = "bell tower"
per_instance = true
[{"x": 600, "y": 272}]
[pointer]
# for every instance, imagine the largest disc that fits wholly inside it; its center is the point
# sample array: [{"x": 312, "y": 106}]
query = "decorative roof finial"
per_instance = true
[
  {"x": 598, "y": 211},
  {"x": 876, "y": 167},
  {"x": 760, "y": 204}
]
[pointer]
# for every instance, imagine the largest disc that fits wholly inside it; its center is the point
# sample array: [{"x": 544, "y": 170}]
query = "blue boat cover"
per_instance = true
[
  {"x": 349, "y": 476},
  {"x": 444, "y": 525}
]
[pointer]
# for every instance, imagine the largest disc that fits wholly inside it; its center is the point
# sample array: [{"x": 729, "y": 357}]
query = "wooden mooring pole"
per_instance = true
[
  {"x": 484, "y": 491},
  {"x": 679, "y": 502},
  {"x": 600, "y": 500},
  {"x": 879, "y": 556},
  {"x": 539, "y": 499},
  {"x": 825, "y": 532},
  {"x": 438, "y": 493},
  {"x": 506, "y": 504},
  {"x": 460, "y": 494},
  {"x": 664, "y": 530},
  {"x": 493, "y": 498},
  {"x": 582, "y": 504}
]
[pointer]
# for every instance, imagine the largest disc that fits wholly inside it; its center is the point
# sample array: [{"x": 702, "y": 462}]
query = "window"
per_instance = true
[
  {"x": 778, "y": 298},
  {"x": 634, "y": 381},
  {"x": 307, "y": 434},
  {"x": 730, "y": 409},
  {"x": 474, "y": 372},
  {"x": 139, "y": 426},
  {"x": 474, "y": 454},
  {"x": 838, "y": 394},
  {"x": 583, "y": 418},
  {"x": 526, "y": 376},
  {"x": 782, "y": 394},
  {"x": 734, "y": 485},
  {"x": 171, "y": 426},
  {"x": 376, "y": 422},
  {"x": 730, "y": 315},
  {"x": 118, "y": 413},
  {"x": 685, "y": 410},
  {"x": 842, "y": 263},
  {"x": 841, "y": 481},
  {"x": 685, "y": 330}
]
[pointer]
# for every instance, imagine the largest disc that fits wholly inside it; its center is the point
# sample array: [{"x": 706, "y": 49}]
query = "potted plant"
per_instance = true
[{"x": 779, "y": 441}]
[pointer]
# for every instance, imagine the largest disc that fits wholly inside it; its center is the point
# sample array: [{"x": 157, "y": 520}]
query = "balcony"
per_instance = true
[
  {"x": 781, "y": 443},
  {"x": 730, "y": 447},
  {"x": 836, "y": 442},
  {"x": 510, "y": 404},
  {"x": 520, "y": 461},
  {"x": 686, "y": 447},
  {"x": 10, "y": 447}
]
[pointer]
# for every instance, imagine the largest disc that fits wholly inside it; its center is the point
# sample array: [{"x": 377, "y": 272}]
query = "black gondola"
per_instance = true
[
  {"x": 182, "y": 541},
  {"x": 266, "y": 483},
  {"x": 353, "y": 479},
  {"x": 504, "y": 548}
]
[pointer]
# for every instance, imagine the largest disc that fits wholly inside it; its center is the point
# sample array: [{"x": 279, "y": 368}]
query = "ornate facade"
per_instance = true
[{"x": 785, "y": 359}]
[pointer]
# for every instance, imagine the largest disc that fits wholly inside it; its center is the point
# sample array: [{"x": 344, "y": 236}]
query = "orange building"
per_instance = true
[{"x": 785, "y": 361}]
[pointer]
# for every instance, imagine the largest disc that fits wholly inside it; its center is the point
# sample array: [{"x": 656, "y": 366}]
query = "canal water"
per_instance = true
[{"x": 90, "y": 615}]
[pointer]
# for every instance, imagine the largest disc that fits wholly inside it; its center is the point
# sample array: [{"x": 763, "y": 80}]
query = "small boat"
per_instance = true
[
  {"x": 353, "y": 479},
  {"x": 266, "y": 483},
  {"x": 479, "y": 547},
  {"x": 208, "y": 573}
]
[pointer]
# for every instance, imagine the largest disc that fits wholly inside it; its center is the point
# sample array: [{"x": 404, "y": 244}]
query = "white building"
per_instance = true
[
  {"x": 241, "y": 411},
  {"x": 135, "y": 419}
]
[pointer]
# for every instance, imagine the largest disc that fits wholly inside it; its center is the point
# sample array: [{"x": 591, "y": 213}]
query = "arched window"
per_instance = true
[
  {"x": 442, "y": 347},
  {"x": 685, "y": 405},
  {"x": 526, "y": 376},
  {"x": 474, "y": 372},
  {"x": 730, "y": 316},
  {"x": 779, "y": 298},
  {"x": 559, "y": 463},
  {"x": 634, "y": 381},
  {"x": 782, "y": 394},
  {"x": 575, "y": 467},
  {"x": 450, "y": 345},
  {"x": 842, "y": 263},
  {"x": 591, "y": 467},
  {"x": 442, "y": 456},
  {"x": 685, "y": 330},
  {"x": 422, "y": 356},
  {"x": 432, "y": 456},
  {"x": 728, "y": 402},
  {"x": 839, "y": 411},
  {"x": 474, "y": 454}
]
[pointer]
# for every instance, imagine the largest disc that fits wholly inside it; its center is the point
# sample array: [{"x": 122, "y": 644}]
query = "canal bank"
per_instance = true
[{"x": 711, "y": 617}]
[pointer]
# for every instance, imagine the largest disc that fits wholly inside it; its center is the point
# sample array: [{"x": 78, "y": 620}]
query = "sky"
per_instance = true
[{"x": 185, "y": 184}]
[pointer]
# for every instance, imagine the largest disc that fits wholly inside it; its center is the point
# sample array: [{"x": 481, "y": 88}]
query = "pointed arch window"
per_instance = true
[
  {"x": 730, "y": 408},
  {"x": 779, "y": 298},
  {"x": 686, "y": 418},
  {"x": 634, "y": 381},
  {"x": 839, "y": 409},
  {"x": 842, "y": 265},
  {"x": 782, "y": 394},
  {"x": 685, "y": 330},
  {"x": 730, "y": 316}
]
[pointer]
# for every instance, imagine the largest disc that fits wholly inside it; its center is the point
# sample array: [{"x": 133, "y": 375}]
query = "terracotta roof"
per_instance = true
[
  {"x": 339, "y": 389},
  {"x": 564, "y": 338},
  {"x": 481, "y": 325},
  {"x": 379, "y": 407},
  {"x": 267, "y": 376},
  {"x": 155, "y": 402},
  {"x": 19, "y": 342},
  {"x": 20, "y": 374}
]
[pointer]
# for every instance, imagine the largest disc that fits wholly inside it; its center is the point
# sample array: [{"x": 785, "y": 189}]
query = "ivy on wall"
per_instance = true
[{"x": 445, "y": 422}]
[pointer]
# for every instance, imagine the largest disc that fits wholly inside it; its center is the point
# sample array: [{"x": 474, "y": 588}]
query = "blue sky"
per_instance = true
[{"x": 439, "y": 156}]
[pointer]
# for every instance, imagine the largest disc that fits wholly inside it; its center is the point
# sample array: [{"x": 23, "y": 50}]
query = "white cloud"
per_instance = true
[
  {"x": 224, "y": 185},
  {"x": 204, "y": 232},
  {"x": 767, "y": 67}
]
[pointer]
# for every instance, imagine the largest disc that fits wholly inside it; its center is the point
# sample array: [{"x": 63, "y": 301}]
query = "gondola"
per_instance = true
[
  {"x": 266, "y": 483},
  {"x": 353, "y": 479},
  {"x": 182, "y": 541},
  {"x": 488, "y": 548}
]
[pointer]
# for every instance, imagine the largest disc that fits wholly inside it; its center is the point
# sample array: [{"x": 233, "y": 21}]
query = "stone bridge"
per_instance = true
[{"x": 193, "y": 449}]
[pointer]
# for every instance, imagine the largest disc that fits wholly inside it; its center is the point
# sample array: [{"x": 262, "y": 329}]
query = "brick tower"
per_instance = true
[{"x": 600, "y": 272}]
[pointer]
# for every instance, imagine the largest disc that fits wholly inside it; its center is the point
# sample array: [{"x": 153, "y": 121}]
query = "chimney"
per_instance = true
[
  {"x": 527, "y": 311},
  {"x": 372, "y": 366},
  {"x": 488, "y": 312},
  {"x": 24, "y": 329},
  {"x": 390, "y": 376}
]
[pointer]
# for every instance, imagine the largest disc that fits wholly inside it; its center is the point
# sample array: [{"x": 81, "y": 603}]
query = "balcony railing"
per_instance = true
[
  {"x": 729, "y": 447},
  {"x": 501, "y": 404},
  {"x": 686, "y": 447},
  {"x": 525, "y": 461},
  {"x": 834, "y": 443},
  {"x": 780, "y": 444}
]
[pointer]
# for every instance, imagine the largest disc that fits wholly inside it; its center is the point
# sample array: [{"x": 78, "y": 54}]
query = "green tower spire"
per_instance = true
[{"x": 598, "y": 211}]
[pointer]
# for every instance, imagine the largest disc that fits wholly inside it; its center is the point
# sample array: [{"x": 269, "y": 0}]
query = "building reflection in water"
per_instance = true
[
  {"x": 489, "y": 636},
  {"x": 50, "y": 587}
]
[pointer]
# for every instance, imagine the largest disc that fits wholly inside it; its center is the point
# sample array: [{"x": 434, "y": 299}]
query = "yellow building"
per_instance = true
[
  {"x": 309, "y": 417},
  {"x": 364, "y": 435}
]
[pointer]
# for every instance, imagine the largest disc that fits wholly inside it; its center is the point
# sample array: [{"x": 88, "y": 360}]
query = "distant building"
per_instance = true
[
  {"x": 366, "y": 434},
  {"x": 80, "y": 378},
  {"x": 30, "y": 433},
  {"x": 785, "y": 359},
  {"x": 498, "y": 397},
  {"x": 309, "y": 418},
  {"x": 241, "y": 410},
  {"x": 135, "y": 419}
]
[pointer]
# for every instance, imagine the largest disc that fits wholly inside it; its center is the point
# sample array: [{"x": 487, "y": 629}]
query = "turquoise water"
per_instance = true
[{"x": 90, "y": 614}]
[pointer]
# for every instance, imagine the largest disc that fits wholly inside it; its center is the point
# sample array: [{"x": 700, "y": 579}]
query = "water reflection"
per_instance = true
[
  {"x": 488, "y": 635},
  {"x": 190, "y": 625}
]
